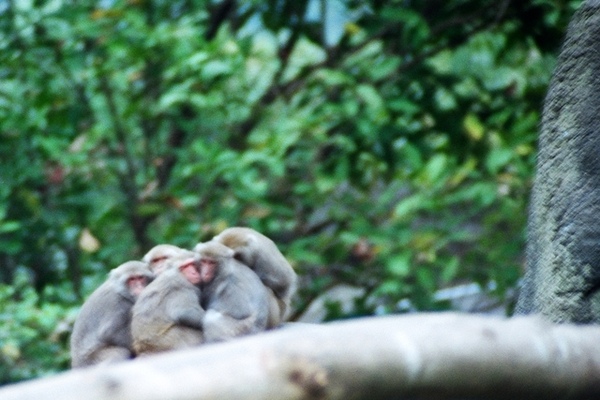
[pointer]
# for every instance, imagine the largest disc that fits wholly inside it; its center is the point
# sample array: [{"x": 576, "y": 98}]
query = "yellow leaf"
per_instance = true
[
  {"x": 11, "y": 351},
  {"x": 473, "y": 127},
  {"x": 87, "y": 241},
  {"x": 257, "y": 212},
  {"x": 524, "y": 149},
  {"x": 220, "y": 225},
  {"x": 463, "y": 172},
  {"x": 352, "y": 28}
]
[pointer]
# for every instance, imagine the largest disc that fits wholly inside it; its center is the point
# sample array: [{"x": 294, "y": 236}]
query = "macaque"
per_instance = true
[
  {"x": 262, "y": 256},
  {"x": 158, "y": 256},
  {"x": 168, "y": 315},
  {"x": 102, "y": 332},
  {"x": 235, "y": 300}
]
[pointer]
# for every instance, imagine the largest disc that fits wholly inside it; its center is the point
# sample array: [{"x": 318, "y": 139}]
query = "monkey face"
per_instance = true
[
  {"x": 158, "y": 264},
  {"x": 158, "y": 257},
  {"x": 190, "y": 271},
  {"x": 208, "y": 267},
  {"x": 136, "y": 283}
]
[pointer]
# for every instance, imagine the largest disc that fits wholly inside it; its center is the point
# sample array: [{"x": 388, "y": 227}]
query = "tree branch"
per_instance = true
[
  {"x": 128, "y": 184},
  {"x": 433, "y": 355}
]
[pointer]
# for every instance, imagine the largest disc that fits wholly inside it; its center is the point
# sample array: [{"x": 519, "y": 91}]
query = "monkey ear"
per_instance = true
[
  {"x": 251, "y": 239},
  {"x": 113, "y": 273},
  {"x": 198, "y": 247},
  {"x": 231, "y": 253}
]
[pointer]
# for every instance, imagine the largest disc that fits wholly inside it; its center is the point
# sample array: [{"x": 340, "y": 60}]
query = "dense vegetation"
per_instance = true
[{"x": 388, "y": 145}]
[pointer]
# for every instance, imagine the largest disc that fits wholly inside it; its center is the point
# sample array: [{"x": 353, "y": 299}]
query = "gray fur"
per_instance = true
[{"x": 102, "y": 332}]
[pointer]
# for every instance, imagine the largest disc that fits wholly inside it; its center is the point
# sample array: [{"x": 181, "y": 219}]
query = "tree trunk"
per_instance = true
[
  {"x": 563, "y": 250},
  {"x": 427, "y": 355}
]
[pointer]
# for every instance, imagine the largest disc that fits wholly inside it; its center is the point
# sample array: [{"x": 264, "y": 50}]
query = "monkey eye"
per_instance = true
[{"x": 206, "y": 263}]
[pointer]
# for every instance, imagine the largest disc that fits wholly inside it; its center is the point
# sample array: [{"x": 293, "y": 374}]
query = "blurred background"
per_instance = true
[{"x": 387, "y": 147}]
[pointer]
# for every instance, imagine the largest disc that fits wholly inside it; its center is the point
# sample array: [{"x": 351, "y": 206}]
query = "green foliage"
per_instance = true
[
  {"x": 34, "y": 330},
  {"x": 386, "y": 145}
]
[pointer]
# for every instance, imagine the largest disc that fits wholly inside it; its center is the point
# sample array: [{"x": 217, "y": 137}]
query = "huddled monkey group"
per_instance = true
[{"x": 236, "y": 284}]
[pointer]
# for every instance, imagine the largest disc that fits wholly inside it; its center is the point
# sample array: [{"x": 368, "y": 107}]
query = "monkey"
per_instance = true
[
  {"x": 235, "y": 300},
  {"x": 168, "y": 315},
  {"x": 262, "y": 256},
  {"x": 102, "y": 332}
]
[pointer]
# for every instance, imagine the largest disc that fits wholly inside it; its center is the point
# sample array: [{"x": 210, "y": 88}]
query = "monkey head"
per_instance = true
[
  {"x": 244, "y": 242},
  {"x": 188, "y": 265},
  {"x": 159, "y": 254},
  {"x": 212, "y": 256},
  {"x": 130, "y": 278}
]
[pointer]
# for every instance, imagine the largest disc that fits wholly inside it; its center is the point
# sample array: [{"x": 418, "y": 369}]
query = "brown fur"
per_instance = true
[{"x": 168, "y": 314}]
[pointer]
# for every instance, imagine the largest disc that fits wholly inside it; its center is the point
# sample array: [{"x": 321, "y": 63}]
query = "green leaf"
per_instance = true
[
  {"x": 426, "y": 279},
  {"x": 371, "y": 98},
  {"x": 399, "y": 265},
  {"x": 473, "y": 127},
  {"x": 435, "y": 168},
  {"x": 501, "y": 78},
  {"x": 445, "y": 99},
  {"x": 389, "y": 287},
  {"x": 334, "y": 78},
  {"x": 498, "y": 158},
  {"x": 480, "y": 193},
  {"x": 441, "y": 62},
  {"x": 9, "y": 226},
  {"x": 410, "y": 205},
  {"x": 404, "y": 106},
  {"x": 215, "y": 68},
  {"x": 450, "y": 269},
  {"x": 304, "y": 54}
]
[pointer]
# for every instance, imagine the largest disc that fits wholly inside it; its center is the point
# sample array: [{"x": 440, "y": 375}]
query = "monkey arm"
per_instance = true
[
  {"x": 248, "y": 297},
  {"x": 234, "y": 303},
  {"x": 235, "y": 312},
  {"x": 219, "y": 326},
  {"x": 184, "y": 309},
  {"x": 113, "y": 330},
  {"x": 191, "y": 317}
]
